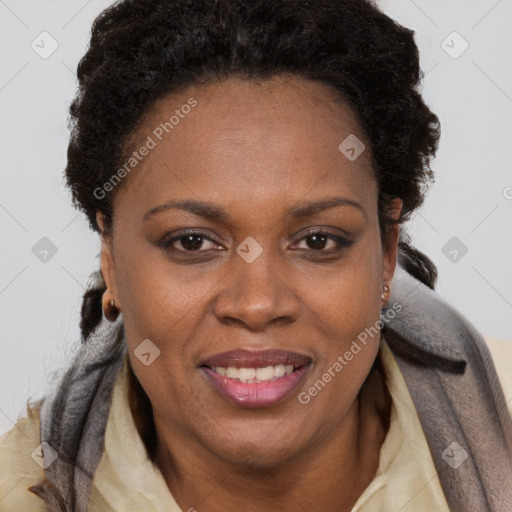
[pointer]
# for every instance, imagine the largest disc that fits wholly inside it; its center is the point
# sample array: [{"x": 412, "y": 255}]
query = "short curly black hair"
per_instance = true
[{"x": 141, "y": 50}]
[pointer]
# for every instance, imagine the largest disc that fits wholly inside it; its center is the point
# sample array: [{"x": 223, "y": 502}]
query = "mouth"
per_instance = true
[{"x": 256, "y": 379}]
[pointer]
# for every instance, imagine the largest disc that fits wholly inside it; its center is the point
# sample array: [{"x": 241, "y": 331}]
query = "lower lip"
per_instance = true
[{"x": 257, "y": 394}]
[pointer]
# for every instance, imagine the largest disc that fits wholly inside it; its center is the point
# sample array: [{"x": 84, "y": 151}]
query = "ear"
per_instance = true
[
  {"x": 391, "y": 245},
  {"x": 108, "y": 268}
]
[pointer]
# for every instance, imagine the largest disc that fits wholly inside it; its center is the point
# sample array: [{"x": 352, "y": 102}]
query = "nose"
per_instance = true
[{"x": 256, "y": 294}]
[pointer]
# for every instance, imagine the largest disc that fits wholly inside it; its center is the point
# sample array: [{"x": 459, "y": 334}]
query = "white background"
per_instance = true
[{"x": 40, "y": 302}]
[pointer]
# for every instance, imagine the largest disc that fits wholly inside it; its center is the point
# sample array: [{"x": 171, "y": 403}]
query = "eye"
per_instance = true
[
  {"x": 189, "y": 242},
  {"x": 318, "y": 241}
]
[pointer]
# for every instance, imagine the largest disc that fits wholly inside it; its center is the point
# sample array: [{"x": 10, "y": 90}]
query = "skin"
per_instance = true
[{"x": 256, "y": 151}]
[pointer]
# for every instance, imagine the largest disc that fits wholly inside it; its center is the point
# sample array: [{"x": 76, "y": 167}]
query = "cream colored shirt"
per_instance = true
[{"x": 127, "y": 481}]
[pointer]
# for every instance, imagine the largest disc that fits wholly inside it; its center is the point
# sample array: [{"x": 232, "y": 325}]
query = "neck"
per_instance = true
[{"x": 329, "y": 476}]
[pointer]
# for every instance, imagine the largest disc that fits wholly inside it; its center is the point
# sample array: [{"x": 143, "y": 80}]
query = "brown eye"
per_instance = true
[
  {"x": 189, "y": 242},
  {"x": 318, "y": 241}
]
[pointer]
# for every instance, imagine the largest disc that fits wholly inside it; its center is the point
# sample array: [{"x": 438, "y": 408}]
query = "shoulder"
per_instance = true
[
  {"x": 501, "y": 353},
  {"x": 18, "y": 464}
]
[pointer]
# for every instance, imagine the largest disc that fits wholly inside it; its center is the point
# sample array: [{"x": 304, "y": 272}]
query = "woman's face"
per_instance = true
[{"x": 284, "y": 268}]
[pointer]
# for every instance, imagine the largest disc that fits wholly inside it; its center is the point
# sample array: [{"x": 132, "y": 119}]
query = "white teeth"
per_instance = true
[
  {"x": 255, "y": 375},
  {"x": 232, "y": 372},
  {"x": 246, "y": 374},
  {"x": 266, "y": 373},
  {"x": 279, "y": 370}
]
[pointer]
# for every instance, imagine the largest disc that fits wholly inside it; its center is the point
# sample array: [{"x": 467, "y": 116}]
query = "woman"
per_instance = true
[{"x": 247, "y": 166}]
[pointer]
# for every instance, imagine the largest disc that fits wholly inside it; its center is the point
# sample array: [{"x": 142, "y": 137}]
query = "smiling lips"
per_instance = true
[{"x": 256, "y": 379}]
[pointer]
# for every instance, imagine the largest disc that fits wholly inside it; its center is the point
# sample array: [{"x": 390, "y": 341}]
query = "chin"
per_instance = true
[
  {"x": 256, "y": 449},
  {"x": 256, "y": 458}
]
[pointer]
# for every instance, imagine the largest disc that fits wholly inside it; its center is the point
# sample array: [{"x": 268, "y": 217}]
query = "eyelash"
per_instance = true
[{"x": 341, "y": 242}]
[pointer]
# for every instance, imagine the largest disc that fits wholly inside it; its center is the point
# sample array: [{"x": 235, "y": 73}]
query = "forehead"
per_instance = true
[{"x": 269, "y": 140}]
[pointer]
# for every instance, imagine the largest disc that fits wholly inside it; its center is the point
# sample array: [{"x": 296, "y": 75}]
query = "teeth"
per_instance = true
[
  {"x": 266, "y": 373},
  {"x": 279, "y": 370},
  {"x": 232, "y": 372},
  {"x": 245, "y": 374},
  {"x": 255, "y": 375}
]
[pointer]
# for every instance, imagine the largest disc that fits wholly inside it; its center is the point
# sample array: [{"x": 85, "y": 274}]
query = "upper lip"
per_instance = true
[{"x": 256, "y": 359}]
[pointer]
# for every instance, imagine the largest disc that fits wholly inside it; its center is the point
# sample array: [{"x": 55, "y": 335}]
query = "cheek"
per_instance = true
[
  {"x": 162, "y": 306},
  {"x": 165, "y": 305},
  {"x": 159, "y": 299},
  {"x": 352, "y": 298},
  {"x": 351, "y": 310}
]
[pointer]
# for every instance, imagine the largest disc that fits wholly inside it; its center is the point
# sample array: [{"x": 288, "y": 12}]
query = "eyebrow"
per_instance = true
[
  {"x": 214, "y": 212},
  {"x": 310, "y": 208}
]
